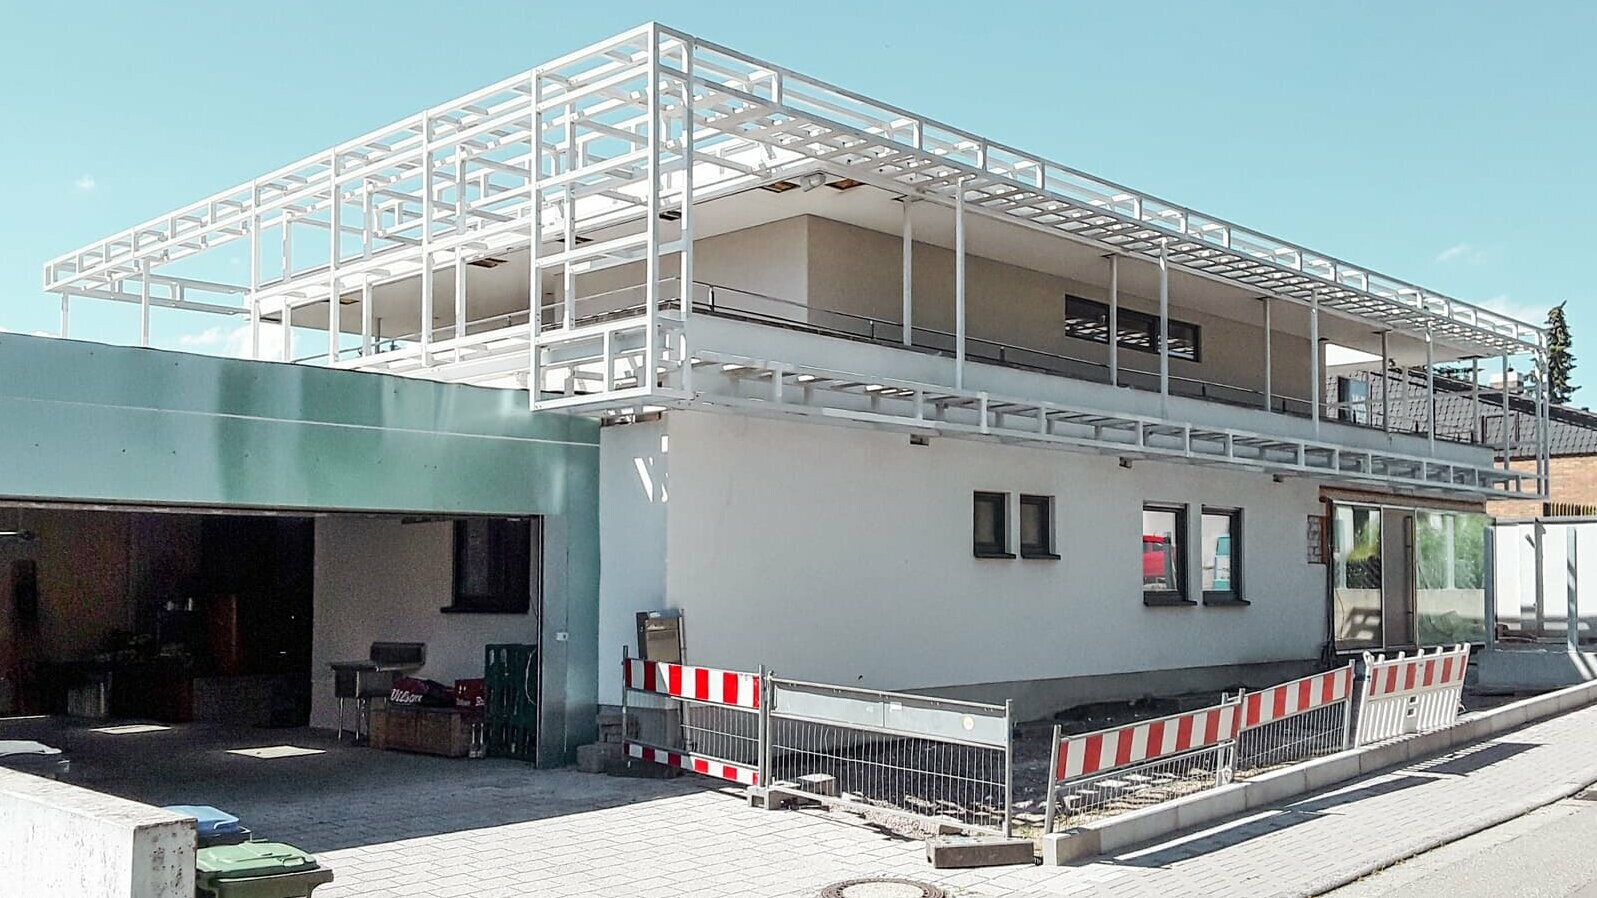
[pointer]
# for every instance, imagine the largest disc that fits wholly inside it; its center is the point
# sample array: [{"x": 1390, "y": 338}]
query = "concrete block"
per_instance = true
[
  {"x": 1063, "y": 848},
  {"x": 1276, "y": 786},
  {"x": 959, "y": 852},
  {"x": 1373, "y": 758},
  {"x": 1330, "y": 770},
  {"x": 598, "y": 757},
  {"x": 1136, "y": 827},
  {"x": 1215, "y": 804},
  {"x": 819, "y": 784}
]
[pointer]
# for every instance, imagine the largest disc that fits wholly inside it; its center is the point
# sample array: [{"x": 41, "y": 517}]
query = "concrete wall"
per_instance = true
[
  {"x": 60, "y": 840},
  {"x": 381, "y": 579},
  {"x": 844, "y": 555}
]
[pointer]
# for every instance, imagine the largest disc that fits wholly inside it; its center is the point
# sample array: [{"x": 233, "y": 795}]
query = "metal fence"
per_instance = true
[
  {"x": 1411, "y": 694},
  {"x": 1121, "y": 769},
  {"x": 1538, "y": 599},
  {"x": 939, "y": 761},
  {"x": 708, "y": 720},
  {"x": 1301, "y": 719}
]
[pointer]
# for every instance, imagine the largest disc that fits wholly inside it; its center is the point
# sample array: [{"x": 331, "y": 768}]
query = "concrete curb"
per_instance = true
[{"x": 1147, "y": 824}]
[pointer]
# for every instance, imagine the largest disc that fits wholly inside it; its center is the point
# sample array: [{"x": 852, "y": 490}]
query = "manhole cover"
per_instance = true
[{"x": 881, "y": 888}]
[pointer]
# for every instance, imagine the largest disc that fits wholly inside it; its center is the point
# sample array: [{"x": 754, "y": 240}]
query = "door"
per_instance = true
[{"x": 1397, "y": 577}]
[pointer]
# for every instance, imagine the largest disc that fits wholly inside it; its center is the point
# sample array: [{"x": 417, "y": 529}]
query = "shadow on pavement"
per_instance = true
[
  {"x": 320, "y": 794},
  {"x": 1463, "y": 763}
]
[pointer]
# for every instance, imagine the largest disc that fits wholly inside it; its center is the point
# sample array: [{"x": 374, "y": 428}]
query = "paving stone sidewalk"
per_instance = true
[{"x": 708, "y": 844}]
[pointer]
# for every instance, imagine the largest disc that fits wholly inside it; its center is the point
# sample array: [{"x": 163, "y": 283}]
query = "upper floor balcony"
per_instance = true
[{"x": 845, "y": 260}]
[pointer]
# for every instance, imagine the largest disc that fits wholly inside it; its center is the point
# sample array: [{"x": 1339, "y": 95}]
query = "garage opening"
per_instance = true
[{"x": 232, "y": 619}]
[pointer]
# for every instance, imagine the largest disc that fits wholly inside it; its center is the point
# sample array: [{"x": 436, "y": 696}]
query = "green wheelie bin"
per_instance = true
[{"x": 257, "y": 870}]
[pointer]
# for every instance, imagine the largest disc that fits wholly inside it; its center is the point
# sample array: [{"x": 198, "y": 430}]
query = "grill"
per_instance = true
[{"x": 373, "y": 677}]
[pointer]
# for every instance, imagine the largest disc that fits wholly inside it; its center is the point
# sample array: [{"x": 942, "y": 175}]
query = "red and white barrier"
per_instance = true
[
  {"x": 736, "y": 773},
  {"x": 1411, "y": 694},
  {"x": 1296, "y": 697},
  {"x": 1388, "y": 678},
  {"x": 695, "y": 684},
  {"x": 1139, "y": 743}
]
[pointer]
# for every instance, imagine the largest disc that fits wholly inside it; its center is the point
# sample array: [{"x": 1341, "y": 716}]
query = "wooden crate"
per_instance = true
[{"x": 431, "y": 731}]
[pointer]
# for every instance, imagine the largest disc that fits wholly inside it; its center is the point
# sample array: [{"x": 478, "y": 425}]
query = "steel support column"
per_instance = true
[
  {"x": 1315, "y": 377},
  {"x": 335, "y": 233},
  {"x": 1269, "y": 362},
  {"x": 685, "y": 223},
  {"x": 1430, "y": 392},
  {"x": 1164, "y": 329},
  {"x": 426, "y": 240},
  {"x": 651, "y": 289},
  {"x": 144, "y": 303},
  {"x": 1508, "y": 443},
  {"x": 959, "y": 284},
  {"x": 1114, "y": 320},
  {"x": 1386, "y": 381},
  {"x": 908, "y": 277},
  {"x": 1475, "y": 400},
  {"x": 534, "y": 228}
]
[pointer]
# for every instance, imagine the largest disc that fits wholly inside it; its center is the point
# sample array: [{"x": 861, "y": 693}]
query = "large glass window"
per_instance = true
[
  {"x": 1356, "y": 578},
  {"x": 1089, "y": 320},
  {"x": 1221, "y": 533},
  {"x": 1449, "y": 577},
  {"x": 1164, "y": 534},
  {"x": 495, "y": 565}
]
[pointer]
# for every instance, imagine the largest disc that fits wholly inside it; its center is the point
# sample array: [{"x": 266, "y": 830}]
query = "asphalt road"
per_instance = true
[{"x": 1549, "y": 852}]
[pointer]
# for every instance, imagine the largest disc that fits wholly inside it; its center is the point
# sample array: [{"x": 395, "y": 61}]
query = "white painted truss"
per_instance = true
[{"x": 597, "y": 159}]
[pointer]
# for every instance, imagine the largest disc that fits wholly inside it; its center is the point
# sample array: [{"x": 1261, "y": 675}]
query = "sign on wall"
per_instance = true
[{"x": 1316, "y": 539}]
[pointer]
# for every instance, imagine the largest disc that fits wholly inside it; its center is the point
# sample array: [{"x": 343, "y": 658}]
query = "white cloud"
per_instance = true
[
  {"x": 84, "y": 184},
  {"x": 1453, "y": 253},
  {"x": 1507, "y": 305},
  {"x": 234, "y": 342}
]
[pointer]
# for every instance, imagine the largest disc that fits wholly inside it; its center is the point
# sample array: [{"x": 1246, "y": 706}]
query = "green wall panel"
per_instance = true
[{"x": 90, "y": 422}]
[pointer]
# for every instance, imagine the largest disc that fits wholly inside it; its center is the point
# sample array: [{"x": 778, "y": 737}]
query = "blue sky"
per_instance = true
[{"x": 1451, "y": 145}]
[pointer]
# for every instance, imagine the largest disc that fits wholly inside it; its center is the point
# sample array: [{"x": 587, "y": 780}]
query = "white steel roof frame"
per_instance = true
[{"x": 482, "y": 141}]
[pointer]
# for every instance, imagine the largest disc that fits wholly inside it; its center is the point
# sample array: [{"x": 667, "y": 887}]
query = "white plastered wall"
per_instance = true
[
  {"x": 380, "y": 579},
  {"x": 844, "y": 555},
  {"x": 633, "y": 493}
]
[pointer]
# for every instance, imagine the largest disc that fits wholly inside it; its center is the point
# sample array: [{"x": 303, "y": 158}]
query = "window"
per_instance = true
[
  {"x": 1037, "y": 527},
  {"x": 1353, "y": 400},
  {"x": 990, "y": 530},
  {"x": 1222, "y": 556},
  {"x": 1164, "y": 576},
  {"x": 497, "y": 563},
  {"x": 1089, "y": 320}
]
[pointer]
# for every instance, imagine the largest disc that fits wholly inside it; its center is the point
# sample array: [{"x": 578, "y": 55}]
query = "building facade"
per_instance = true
[{"x": 879, "y": 400}]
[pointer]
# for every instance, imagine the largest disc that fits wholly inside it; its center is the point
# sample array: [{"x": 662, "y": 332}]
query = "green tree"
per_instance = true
[{"x": 1560, "y": 357}]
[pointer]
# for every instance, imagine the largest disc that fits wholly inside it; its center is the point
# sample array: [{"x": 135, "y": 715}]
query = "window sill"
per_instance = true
[
  {"x": 1046, "y": 556},
  {"x": 450, "y": 609},
  {"x": 1167, "y": 601},
  {"x": 981, "y": 554},
  {"x": 1226, "y": 601}
]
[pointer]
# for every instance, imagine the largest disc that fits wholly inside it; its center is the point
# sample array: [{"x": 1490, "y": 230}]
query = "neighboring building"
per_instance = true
[
  {"x": 1476, "y": 413},
  {"x": 861, "y": 419}
]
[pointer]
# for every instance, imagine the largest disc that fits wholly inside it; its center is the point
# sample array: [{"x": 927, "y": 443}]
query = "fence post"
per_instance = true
[
  {"x": 764, "y": 746},
  {"x": 1053, "y": 782},
  {"x": 1009, "y": 764},
  {"x": 626, "y": 672},
  {"x": 1347, "y": 709}
]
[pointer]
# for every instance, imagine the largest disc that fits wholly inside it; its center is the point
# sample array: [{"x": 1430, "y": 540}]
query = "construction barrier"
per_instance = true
[
  {"x": 1139, "y": 764},
  {"x": 1296, "y": 720},
  {"x": 718, "y": 722},
  {"x": 1411, "y": 693}
]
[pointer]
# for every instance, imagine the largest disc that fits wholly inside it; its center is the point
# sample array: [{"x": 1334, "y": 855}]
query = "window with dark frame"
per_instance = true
[
  {"x": 497, "y": 565},
  {"x": 1087, "y": 319},
  {"x": 1164, "y": 540},
  {"x": 1221, "y": 550},
  {"x": 1037, "y": 527},
  {"x": 990, "y": 525}
]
